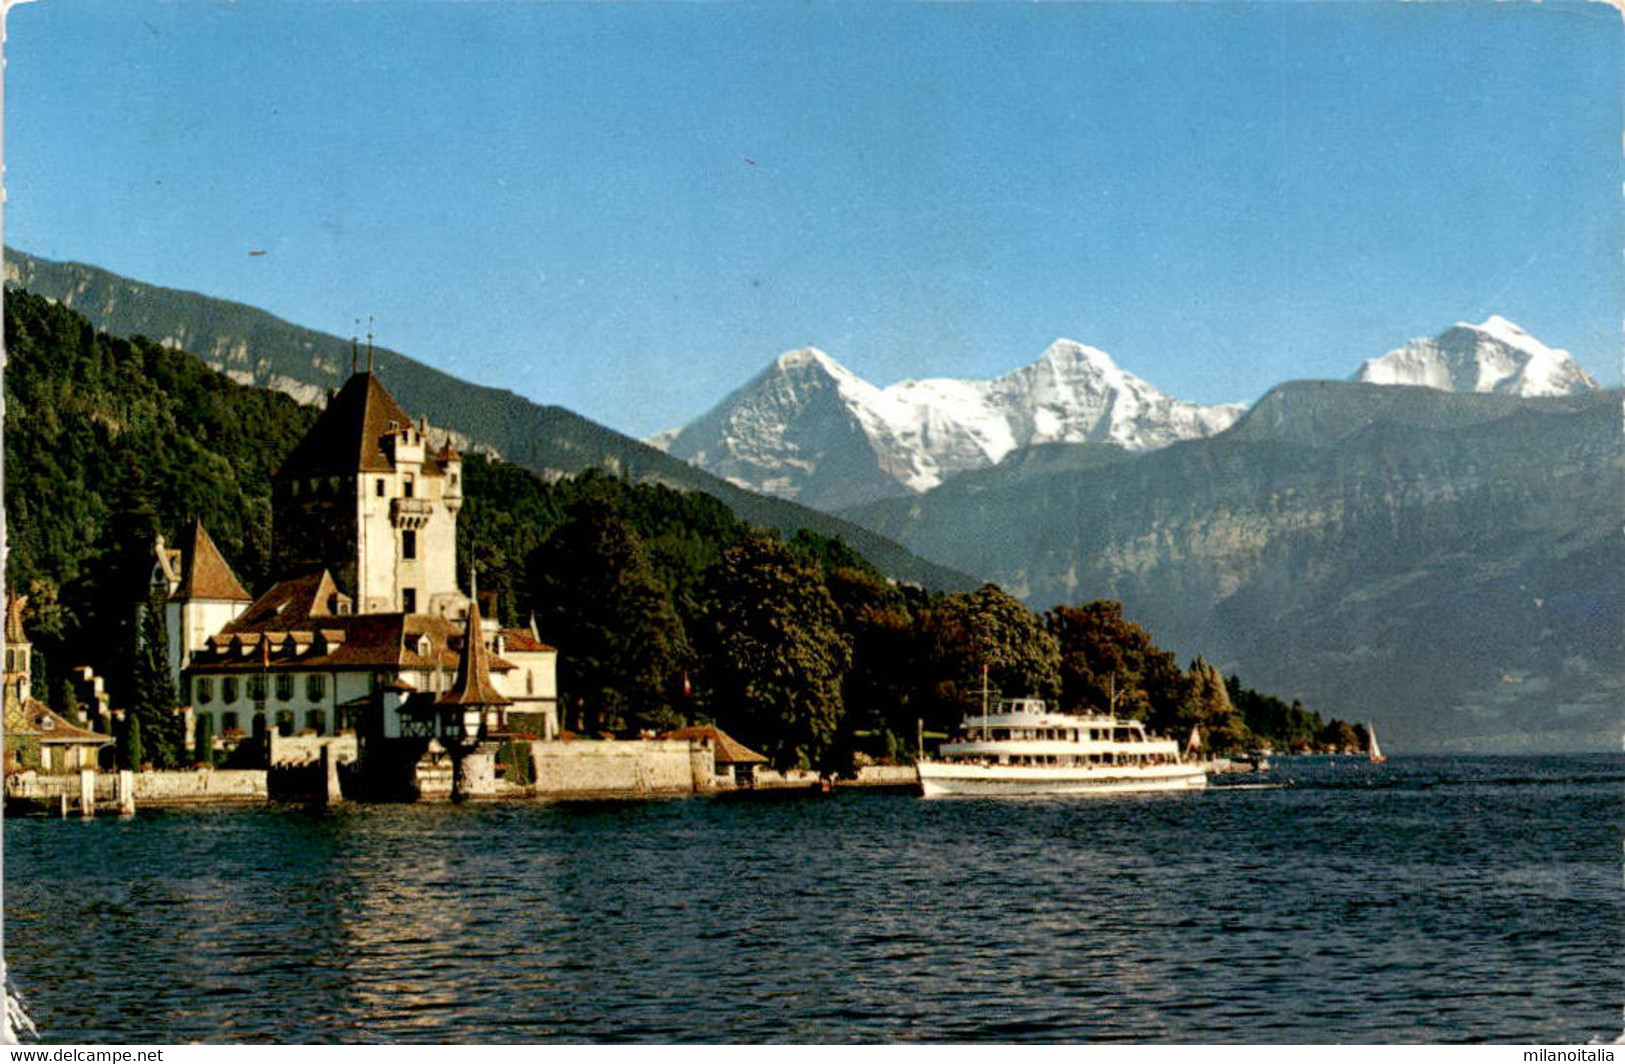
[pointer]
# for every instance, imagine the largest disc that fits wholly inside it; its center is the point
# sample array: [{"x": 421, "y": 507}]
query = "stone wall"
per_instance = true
[
  {"x": 203, "y": 785},
  {"x": 585, "y": 767}
]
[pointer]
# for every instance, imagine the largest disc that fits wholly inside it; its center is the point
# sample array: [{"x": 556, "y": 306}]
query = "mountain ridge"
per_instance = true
[{"x": 806, "y": 427}]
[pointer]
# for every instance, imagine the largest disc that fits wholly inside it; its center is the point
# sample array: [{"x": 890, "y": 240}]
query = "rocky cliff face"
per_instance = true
[
  {"x": 1448, "y": 565},
  {"x": 809, "y": 429}
]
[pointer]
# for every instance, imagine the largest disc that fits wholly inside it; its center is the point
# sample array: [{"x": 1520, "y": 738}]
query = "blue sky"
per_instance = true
[{"x": 628, "y": 209}]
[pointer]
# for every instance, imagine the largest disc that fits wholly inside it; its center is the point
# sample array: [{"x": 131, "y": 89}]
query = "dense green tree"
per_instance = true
[
  {"x": 984, "y": 633},
  {"x": 882, "y": 685},
  {"x": 775, "y": 656},
  {"x": 1207, "y": 706},
  {"x": 131, "y": 753},
  {"x": 153, "y": 699},
  {"x": 1340, "y": 736},
  {"x": 1110, "y": 664},
  {"x": 622, "y": 647}
]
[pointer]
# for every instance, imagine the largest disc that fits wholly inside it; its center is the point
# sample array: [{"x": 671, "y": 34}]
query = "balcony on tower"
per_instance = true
[{"x": 410, "y": 513}]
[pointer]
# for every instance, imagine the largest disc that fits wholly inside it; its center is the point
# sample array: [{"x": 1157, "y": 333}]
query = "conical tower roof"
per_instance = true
[{"x": 473, "y": 686}]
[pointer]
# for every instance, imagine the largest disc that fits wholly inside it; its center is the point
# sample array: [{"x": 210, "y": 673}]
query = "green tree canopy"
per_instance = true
[
  {"x": 775, "y": 654},
  {"x": 622, "y": 648},
  {"x": 1110, "y": 664},
  {"x": 989, "y": 629}
]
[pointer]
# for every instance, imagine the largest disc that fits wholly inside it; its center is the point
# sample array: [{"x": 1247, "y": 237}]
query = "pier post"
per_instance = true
[
  {"x": 331, "y": 791},
  {"x": 87, "y": 792},
  {"x": 126, "y": 792}
]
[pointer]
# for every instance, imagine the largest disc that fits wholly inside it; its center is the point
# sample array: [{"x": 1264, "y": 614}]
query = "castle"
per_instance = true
[{"x": 368, "y": 630}]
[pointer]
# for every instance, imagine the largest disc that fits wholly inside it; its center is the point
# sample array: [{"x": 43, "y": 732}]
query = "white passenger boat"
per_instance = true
[{"x": 1022, "y": 748}]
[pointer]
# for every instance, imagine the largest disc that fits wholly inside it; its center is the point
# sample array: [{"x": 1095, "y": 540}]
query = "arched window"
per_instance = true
[
  {"x": 284, "y": 687},
  {"x": 316, "y": 721},
  {"x": 205, "y": 690},
  {"x": 228, "y": 690},
  {"x": 315, "y": 687}
]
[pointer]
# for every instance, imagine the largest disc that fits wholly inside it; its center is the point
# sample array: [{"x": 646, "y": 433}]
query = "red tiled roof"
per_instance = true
[
  {"x": 33, "y": 717},
  {"x": 350, "y": 641},
  {"x": 523, "y": 641},
  {"x": 346, "y": 439},
  {"x": 290, "y": 604},
  {"x": 726, "y": 749},
  {"x": 204, "y": 572}
]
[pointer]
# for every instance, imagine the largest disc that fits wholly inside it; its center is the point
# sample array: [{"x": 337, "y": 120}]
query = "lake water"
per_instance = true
[{"x": 1426, "y": 899}]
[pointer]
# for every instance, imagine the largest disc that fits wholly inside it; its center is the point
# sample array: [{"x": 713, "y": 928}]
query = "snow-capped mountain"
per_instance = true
[
  {"x": 809, "y": 429},
  {"x": 1493, "y": 356}
]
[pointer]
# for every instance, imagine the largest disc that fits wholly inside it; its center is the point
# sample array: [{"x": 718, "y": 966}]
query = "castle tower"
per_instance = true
[
  {"x": 365, "y": 496},
  {"x": 201, "y": 593}
]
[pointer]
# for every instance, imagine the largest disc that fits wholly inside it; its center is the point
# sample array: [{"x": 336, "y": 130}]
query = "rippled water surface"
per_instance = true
[{"x": 1420, "y": 900}]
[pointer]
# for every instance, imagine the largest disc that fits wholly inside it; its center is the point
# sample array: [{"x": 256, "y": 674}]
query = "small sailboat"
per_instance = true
[{"x": 1373, "y": 751}]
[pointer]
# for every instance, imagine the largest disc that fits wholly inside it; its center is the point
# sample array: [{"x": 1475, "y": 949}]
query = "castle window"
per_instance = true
[
  {"x": 284, "y": 687},
  {"x": 407, "y": 487},
  {"x": 409, "y": 544},
  {"x": 228, "y": 721},
  {"x": 256, "y": 688},
  {"x": 379, "y": 488},
  {"x": 228, "y": 690},
  {"x": 409, "y": 600},
  {"x": 284, "y": 722},
  {"x": 205, "y": 690},
  {"x": 315, "y": 687},
  {"x": 316, "y": 721}
]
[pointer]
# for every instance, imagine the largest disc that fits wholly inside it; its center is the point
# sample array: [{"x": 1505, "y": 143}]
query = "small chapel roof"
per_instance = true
[
  {"x": 30, "y": 716},
  {"x": 204, "y": 572}
]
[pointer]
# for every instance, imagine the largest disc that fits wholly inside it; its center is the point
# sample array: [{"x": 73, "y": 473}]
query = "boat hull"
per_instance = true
[{"x": 940, "y": 779}]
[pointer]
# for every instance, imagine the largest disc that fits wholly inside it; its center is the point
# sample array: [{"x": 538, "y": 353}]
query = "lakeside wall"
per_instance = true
[
  {"x": 591, "y": 767},
  {"x": 200, "y": 785}
]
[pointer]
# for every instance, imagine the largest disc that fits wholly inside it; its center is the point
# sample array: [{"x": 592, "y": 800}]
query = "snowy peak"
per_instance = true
[
  {"x": 1495, "y": 356},
  {"x": 807, "y": 428}
]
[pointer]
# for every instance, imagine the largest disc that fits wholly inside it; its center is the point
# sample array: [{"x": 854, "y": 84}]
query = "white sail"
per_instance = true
[{"x": 1372, "y": 749}]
